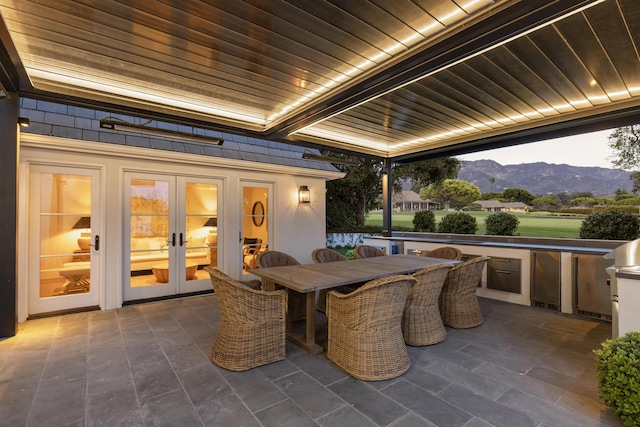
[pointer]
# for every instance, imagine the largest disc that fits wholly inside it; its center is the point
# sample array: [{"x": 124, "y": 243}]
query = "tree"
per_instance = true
[
  {"x": 350, "y": 199},
  {"x": 518, "y": 195},
  {"x": 545, "y": 203},
  {"x": 492, "y": 181},
  {"x": 491, "y": 196},
  {"x": 451, "y": 192},
  {"x": 584, "y": 201},
  {"x": 635, "y": 177},
  {"x": 625, "y": 143}
]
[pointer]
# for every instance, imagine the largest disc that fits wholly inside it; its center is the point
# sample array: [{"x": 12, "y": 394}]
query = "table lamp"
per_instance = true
[
  {"x": 212, "y": 238},
  {"x": 84, "y": 223}
]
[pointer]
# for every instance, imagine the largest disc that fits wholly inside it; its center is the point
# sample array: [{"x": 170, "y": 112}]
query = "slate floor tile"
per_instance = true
[
  {"x": 373, "y": 404},
  {"x": 117, "y": 407},
  {"x": 285, "y": 414},
  {"x": 170, "y": 409},
  {"x": 345, "y": 416},
  {"x": 544, "y": 411},
  {"x": 427, "y": 405},
  {"x": 493, "y": 412},
  {"x": 310, "y": 395}
]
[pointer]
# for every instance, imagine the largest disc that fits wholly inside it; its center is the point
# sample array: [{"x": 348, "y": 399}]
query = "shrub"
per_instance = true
[
  {"x": 424, "y": 221},
  {"x": 618, "y": 366},
  {"x": 351, "y": 254},
  {"x": 458, "y": 223},
  {"x": 616, "y": 208},
  {"x": 610, "y": 225},
  {"x": 501, "y": 224}
]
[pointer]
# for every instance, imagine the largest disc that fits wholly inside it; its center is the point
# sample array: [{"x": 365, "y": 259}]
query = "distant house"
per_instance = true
[
  {"x": 498, "y": 206},
  {"x": 411, "y": 201}
]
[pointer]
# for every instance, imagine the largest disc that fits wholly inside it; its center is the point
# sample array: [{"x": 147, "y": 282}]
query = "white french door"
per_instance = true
[
  {"x": 64, "y": 238},
  {"x": 171, "y": 233},
  {"x": 256, "y": 222}
]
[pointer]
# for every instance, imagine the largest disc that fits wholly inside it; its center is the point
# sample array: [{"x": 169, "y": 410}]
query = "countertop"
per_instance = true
[{"x": 515, "y": 245}]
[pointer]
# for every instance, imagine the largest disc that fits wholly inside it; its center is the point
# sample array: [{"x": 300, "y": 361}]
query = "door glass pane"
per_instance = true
[
  {"x": 150, "y": 240},
  {"x": 254, "y": 224},
  {"x": 65, "y": 234},
  {"x": 202, "y": 228}
]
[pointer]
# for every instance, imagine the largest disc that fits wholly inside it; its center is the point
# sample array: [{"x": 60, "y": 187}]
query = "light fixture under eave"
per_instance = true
[
  {"x": 329, "y": 159},
  {"x": 162, "y": 133},
  {"x": 304, "y": 195},
  {"x": 23, "y": 122}
]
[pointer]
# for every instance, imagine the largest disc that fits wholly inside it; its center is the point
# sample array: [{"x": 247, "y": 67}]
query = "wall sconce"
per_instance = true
[
  {"x": 304, "y": 195},
  {"x": 23, "y": 122},
  {"x": 84, "y": 223},
  {"x": 212, "y": 238}
]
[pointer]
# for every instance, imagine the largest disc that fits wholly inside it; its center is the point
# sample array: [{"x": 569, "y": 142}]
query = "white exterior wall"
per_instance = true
[{"x": 298, "y": 229}]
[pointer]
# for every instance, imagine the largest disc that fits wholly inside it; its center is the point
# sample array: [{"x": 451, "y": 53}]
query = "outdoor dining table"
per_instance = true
[{"x": 309, "y": 278}]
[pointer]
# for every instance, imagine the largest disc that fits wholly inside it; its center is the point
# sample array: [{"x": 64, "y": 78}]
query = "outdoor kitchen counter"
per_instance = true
[
  {"x": 558, "y": 245},
  {"x": 545, "y": 267}
]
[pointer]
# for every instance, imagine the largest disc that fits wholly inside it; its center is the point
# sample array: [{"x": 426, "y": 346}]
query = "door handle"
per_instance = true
[
  {"x": 173, "y": 239},
  {"x": 96, "y": 244},
  {"x": 182, "y": 241}
]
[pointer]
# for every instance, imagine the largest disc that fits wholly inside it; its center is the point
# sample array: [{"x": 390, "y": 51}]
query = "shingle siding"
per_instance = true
[{"x": 51, "y": 118}]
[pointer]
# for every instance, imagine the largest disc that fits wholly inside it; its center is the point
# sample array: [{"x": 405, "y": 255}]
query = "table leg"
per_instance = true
[{"x": 308, "y": 342}]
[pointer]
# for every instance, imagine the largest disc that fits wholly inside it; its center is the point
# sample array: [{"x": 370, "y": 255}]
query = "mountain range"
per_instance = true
[{"x": 543, "y": 178}]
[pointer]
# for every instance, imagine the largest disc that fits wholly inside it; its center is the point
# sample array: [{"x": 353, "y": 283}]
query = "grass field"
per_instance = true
[{"x": 538, "y": 224}]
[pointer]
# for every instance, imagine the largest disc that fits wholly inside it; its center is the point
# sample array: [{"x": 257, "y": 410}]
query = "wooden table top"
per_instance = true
[{"x": 311, "y": 277}]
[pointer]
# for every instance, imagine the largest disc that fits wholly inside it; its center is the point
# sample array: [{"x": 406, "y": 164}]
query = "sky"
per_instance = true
[{"x": 589, "y": 149}]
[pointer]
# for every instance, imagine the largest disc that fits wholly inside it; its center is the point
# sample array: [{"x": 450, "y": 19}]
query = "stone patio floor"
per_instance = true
[{"x": 148, "y": 365}]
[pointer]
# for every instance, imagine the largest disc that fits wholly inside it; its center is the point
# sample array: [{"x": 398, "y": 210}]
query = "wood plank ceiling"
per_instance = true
[{"x": 395, "y": 79}]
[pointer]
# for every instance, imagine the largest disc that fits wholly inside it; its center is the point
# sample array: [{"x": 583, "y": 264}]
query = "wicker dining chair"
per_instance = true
[
  {"x": 322, "y": 255},
  {"x": 297, "y": 301},
  {"x": 459, "y": 306},
  {"x": 252, "y": 330},
  {"x": 421, "y": 321},
  {"x": 445, "y": 252},
  {"x": 366, "y": 251},
  {"x": 365, "y": 333}
]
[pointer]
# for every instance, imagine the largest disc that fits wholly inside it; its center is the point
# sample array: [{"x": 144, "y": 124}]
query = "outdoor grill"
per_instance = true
[{"x": 626, "y": 258}]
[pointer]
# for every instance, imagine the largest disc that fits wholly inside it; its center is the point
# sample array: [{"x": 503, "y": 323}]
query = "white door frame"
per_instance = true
[{"x": 37, "y": 304}]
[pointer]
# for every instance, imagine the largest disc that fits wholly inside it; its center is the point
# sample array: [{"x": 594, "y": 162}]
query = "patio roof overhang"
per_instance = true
[{"x": 402, "y": 80}]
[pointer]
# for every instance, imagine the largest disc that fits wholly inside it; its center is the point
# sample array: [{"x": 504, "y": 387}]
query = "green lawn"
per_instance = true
[{"x": 538, "y": 224}]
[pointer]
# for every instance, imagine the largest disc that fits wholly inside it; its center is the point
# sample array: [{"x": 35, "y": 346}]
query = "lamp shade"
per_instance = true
[
  {"x": 83, "y": 222},
  {"x": 211, "y": 222}
]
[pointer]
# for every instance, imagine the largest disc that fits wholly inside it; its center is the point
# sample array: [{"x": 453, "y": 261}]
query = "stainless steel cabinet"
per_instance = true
[
  {"x": 592, "y": 292},
  {"x": 545, "y": 279},
  {"x": 504, "y": 274}
]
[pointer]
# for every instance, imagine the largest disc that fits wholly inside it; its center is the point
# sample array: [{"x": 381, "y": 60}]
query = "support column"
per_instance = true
[
  {"x": 387, "y": 196},
  {"x": 8, "y": 212}
]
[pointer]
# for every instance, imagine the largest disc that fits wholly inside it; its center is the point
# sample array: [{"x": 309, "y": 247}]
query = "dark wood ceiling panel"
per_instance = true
[
  {"x": 615, "y": 34},
  {"x": 577, "y": 32},
  {"x": 387, "y": 77}
]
